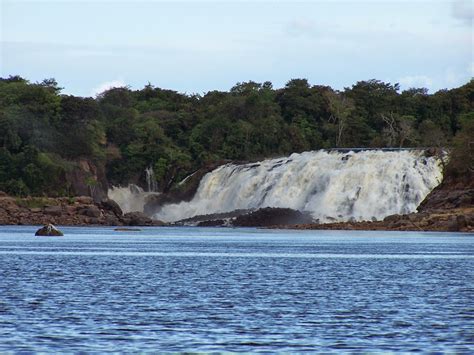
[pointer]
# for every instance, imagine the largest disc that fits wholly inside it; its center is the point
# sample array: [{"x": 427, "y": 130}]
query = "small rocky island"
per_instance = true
[{"x": 49, "y": 231}]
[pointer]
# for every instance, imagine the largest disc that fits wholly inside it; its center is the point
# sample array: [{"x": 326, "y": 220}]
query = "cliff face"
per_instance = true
[
  {"x": 87, "y": 178},
  {"x": 452, "y": 193}
]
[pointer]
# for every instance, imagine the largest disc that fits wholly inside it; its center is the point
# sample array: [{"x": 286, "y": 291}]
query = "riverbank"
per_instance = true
[
  {"x": 67, "y": 211},
  {"x": 82, "y": 211},
  {"x": 455, "y": 220},
  {"x": 449, "y": 207}
]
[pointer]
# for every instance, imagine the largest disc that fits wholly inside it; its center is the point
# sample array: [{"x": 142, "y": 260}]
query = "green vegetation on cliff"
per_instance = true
[{"x": 43, "y": 134}]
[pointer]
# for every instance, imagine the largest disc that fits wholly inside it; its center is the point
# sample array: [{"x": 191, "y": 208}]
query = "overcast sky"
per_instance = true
[{"x": 196, "y": 46}]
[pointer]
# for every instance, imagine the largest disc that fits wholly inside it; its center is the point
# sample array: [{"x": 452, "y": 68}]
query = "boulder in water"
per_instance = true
[{"x": 49, "y": 231}]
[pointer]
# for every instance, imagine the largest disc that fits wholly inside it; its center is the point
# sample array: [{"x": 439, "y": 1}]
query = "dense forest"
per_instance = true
[{"x": 44, "y": 134}]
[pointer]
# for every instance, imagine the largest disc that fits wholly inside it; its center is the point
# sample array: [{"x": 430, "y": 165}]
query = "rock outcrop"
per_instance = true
[
  {"x": 137, "y": 219},
  {"x": 456, "y": 220},
  {"x": 271, "y": 216},
  {"x": 88, "y": 178},
  {"x": 450, "y": 194},
  {"x": 81, "y": 210},
  {"x": 49, "y": 231}
]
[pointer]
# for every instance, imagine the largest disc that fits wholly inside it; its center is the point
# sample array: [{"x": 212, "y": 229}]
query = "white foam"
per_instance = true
[
  {"x": 130, "y": 199},
  {"x": 333, "y": 186}
]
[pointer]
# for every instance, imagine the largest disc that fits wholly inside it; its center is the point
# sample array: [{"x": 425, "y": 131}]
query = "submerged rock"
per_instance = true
[{"x": 49, "y": 231}]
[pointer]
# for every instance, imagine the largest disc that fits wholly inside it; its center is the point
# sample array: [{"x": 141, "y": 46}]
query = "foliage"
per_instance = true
[
  {"x": 461, "y": 162},
  {"x": 129, "y": 130}
]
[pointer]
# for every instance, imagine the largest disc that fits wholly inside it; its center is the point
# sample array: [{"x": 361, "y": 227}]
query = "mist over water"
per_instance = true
[
  {"x": 332, "y": 185},
  {"x": 131, "y": 198}
]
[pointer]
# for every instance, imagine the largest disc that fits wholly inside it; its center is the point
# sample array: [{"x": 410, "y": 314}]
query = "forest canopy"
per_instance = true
[{"x": 42, "y": 132}]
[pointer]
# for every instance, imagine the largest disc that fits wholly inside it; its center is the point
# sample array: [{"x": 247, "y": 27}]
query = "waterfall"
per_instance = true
[
  {"x": 133, "y": 198},
  {"x": 151, "y": 180},
  {"x": 130, "y": 199},
  {"x": 331, "y": 185}
]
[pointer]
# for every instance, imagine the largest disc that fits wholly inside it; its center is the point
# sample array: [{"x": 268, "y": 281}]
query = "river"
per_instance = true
[{"x": 217, "y": 289}]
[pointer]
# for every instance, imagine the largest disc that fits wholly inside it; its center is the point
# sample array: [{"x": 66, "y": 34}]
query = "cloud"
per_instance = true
[
  {"x": 463, "y": 10},
  {"x": 106, "y": 86},
  {"x": 416, "y": 81}
]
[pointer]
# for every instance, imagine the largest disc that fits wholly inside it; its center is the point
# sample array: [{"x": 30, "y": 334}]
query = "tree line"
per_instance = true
[{"x": 43, "y": 133}]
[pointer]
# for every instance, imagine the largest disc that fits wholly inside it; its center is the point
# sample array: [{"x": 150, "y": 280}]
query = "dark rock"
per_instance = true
[
  {"x": 211, "y": 217},
  {"x": 461, "y": 221},
  {"x": 49, "y": 231},
  {"x": 392, "y": 218},
  {"x": 91, "y": 211},
  {"x": 433, "y": 151},
  {"x": 211, "y": 223},
  {"x": 82, "y": 172},
  {"x": 399, "y": 224},
  {"x": 465, "y": 201},
  {"x": 270, "y": 216},
  {"x": 111, "y": 205},
  {"x": 158, "y": 223},
  {"x": 127, "y": 229},
  {"x": 136, "y": 219},
  {"x": 93, "y": 220},
  {"x": 53, "y": 210},
  {"x": 112, "y": 220},
  {"x": 453, "y": 192},
  {"x": 453, "y": 225},
  {"x": 84, "y": 200}
]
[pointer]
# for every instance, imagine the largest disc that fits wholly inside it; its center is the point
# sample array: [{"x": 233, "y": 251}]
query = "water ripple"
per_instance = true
[{"x": 218, "y": 291}]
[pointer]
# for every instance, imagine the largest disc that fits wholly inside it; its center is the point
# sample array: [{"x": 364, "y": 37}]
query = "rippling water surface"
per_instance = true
[{"x": 190, "y": 289}]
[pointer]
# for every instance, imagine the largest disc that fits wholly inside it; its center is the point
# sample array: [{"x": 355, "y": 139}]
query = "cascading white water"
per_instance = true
[
  {"x": 130, "y": 199},
  {"x": 333, "y": 186},
  {"x": 151, "y": 180}
]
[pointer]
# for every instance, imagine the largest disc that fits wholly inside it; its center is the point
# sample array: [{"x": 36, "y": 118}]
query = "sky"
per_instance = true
[{"x": 197, "y": 46}]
